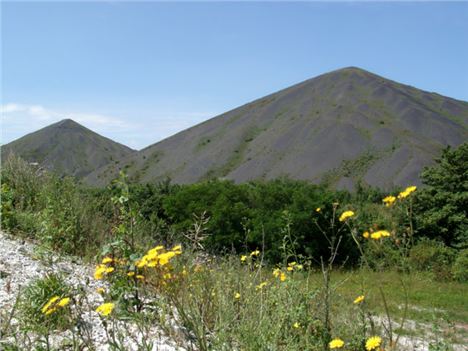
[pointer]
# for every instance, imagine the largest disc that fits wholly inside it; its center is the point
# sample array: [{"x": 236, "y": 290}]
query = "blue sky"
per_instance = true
[{"x": 139, "y": 72}]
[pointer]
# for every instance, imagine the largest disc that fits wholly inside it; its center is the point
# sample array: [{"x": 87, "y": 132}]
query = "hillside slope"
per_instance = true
[
  {"x": 342, "y": 127},
  {"x": 67, "y": 148}
]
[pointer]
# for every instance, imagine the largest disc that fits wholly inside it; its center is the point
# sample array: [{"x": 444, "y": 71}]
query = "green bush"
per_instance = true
[
  {"x": 460, "y": 266},
  {"x": 7, "y": 213},
  {"x": 432, "y": 256},
  {"x": 441, "y": 206}
]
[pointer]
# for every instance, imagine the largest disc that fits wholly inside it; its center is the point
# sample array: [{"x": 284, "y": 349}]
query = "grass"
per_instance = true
[{"x": 426, "y": 297}]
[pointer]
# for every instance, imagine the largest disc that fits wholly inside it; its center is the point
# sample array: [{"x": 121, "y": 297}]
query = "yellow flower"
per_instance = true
[
  {"x": 165, "y": 258},
  {"x": 299, "y": 267},
  {"x": 177, "y": 249},
  {"x": 139, "y": 276},
  {"x": 49, "y": 304},
  {"x": 276, "y": 272},
  {"x": 336, "y": 343},
  {"x": 345, "y": 215},
  {"x": 261, "y": 286},
  {"x": 142, "y": 262},
  {"x": 318, "y": 209},
  {"x": 106, "y": 260},
  {"x": 54, "y": 304},
  {"x": 255, "y": 253},
  {"x": 243, "y": 258},
  {"x": 358, "y": 299},
  {"x": 296, "y": 325},
  {"x": 373, "y": 343},
  {"x": 290, "y": 269},
  {"x": 282, "y": 276},
  {"x": 405, "y": 193},
  {"x": 365, "y": 234},
  {"x": 99, "y": 272},
  {"x": 63, "y": 302},
  {"x": 167, "y": 276},
  {"x": 237, "y": 296},
  {"x": 155, "y": 250},
  {"x": 376, "y": 235},
  {"x": 379, "y": 234},
  {"x": 389, "y": 200},
  {"x": 131, "y": 274},
  {"x": 105, "y": 309},
  {"x": 100, "y": 290},
  {"x": 153, "y": 263}
]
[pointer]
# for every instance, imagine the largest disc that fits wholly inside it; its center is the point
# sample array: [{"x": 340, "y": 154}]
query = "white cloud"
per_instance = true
[
  {"x": 20, "y": 119},
  {"x": 37, "y": 112}
]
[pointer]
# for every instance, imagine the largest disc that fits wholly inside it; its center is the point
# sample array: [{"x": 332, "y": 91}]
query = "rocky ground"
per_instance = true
[{"x": 21, "y": 263}]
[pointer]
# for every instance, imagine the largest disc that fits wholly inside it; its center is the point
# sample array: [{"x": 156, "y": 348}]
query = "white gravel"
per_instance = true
[{"x": 20, "y": 265}]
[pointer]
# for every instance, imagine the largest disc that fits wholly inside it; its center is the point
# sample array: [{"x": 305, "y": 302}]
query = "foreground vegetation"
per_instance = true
[{"x": 283, "y": 265}]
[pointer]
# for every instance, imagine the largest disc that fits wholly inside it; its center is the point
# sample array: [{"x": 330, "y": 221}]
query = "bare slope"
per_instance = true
[
  {"x": 345, "y": 126},
  {"x": 67, "y": 148}
]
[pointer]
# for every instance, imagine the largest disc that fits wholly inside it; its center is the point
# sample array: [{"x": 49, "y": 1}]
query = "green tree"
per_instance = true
[{"x": 441, "y": 207}]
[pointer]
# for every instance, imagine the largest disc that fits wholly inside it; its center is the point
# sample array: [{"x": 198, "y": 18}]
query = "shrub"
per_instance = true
[
  {"x": 68, "y": 218},
  {"x": 441, "y": 207},
  {"x": 432, "y": 256},
  {"x": 460, "y": 266}
]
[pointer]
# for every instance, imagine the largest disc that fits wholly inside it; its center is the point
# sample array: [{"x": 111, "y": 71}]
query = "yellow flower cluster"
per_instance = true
[
  {"x": 379, "y": 234},
  {"x": 255, "y": 253},
  {"x": 405, "y": 193},
  {"x": 372, "y": 343},
  {"x": 252, "y": 255},
  {"x": 104, "y": 268},
  {"x": 293, "y": 266},
  {"x": 54, "y": 304},
  {"x": 277, "y": 273},
  {"x": 345, "y": 215},
  {"x": 105, "y": 309},
  {"x": 376, "y": 235},
  {"x": 157, "y": 256},
  {"x": 389, "y": 200}
]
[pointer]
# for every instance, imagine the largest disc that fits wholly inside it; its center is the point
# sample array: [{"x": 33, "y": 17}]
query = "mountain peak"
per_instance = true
[
  {"x": 68, "y": 148},
  {"x": 67, "y": 122},
  {"x": 346, "y": 71},
  {"x": 344, "y": 127}
]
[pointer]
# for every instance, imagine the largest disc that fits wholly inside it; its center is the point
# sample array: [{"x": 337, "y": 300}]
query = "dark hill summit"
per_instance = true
[
  {"x": 342, "y": 127},
  {"x": 68, "y": 148}
]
